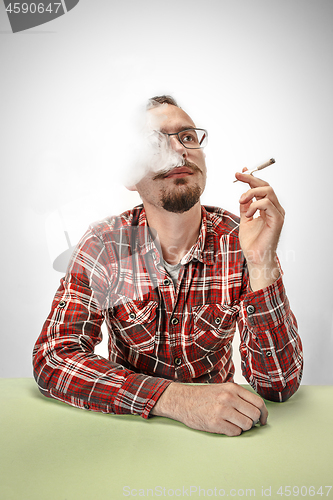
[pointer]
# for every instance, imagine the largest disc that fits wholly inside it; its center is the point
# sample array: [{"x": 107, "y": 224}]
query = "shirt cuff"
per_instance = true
[
  {"x": 267, "y": 308},
  {"x": 139, "y": 394}
]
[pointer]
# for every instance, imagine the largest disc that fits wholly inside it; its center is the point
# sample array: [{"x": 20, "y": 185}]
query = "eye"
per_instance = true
[{"x": 189, "y": 136}]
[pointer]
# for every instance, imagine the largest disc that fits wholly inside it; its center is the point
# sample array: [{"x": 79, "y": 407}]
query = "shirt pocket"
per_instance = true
[
  {"x": 213, "y": 326},
  {"x": 134, "y": 324}
]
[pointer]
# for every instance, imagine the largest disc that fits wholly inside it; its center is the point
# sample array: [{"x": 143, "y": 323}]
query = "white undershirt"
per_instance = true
[{"x": 173, "y": 271}]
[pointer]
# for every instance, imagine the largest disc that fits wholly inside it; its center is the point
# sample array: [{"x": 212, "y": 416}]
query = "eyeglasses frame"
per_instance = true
[{"x": 185, "y": 130}]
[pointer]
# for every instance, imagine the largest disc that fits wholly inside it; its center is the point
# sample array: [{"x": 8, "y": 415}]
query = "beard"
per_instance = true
[{"x": 182, "y": 200}]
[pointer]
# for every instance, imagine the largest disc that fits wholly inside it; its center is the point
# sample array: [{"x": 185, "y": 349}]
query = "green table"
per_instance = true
[{"x": 51, "y": 451}]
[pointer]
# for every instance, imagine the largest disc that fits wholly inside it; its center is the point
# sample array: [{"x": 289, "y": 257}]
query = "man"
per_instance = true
[{"x": 171, "y": 278}]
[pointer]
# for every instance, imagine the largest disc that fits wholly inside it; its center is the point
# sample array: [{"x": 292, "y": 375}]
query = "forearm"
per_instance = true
[
  {"x": 274, "y": 373},
  {"x": 220, "y": 408},
  {"x": 271, "y": 349},
  {"x": 80, "y": 378},
  {"x": 263, "y": 275},
  {"x": 174, "y": 402}
]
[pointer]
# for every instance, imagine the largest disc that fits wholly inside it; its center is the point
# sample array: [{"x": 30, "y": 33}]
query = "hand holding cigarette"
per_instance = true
[
  {"x": 261, "y": 221},
  {"x": 264, "y": 165}
]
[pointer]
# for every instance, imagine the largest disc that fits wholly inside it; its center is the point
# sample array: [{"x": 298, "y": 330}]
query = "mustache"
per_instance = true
[{"x": 189, "y": 164}]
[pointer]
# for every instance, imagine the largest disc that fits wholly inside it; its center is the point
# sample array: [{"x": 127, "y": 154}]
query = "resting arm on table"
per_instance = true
[{"x": 65, "y": 366}]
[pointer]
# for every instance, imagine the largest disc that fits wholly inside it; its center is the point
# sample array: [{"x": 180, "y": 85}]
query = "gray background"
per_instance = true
[{"x": 257, "y": 74}]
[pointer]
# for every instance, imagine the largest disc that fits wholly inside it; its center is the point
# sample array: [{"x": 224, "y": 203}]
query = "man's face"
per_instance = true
[{"x": 179, "y": 189}]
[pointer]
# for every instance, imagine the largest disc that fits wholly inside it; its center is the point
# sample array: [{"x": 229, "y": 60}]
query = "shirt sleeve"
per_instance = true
[
  {"x": 64, "y": 363},
  {"x": 270, "y": 347}
]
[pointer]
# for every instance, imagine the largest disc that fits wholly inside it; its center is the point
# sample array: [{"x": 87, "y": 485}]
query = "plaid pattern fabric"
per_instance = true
[{"x": 159, "y": 333}]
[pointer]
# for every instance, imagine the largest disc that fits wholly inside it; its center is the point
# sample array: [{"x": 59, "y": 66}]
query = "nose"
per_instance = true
[{"x": 178, "y": 146}]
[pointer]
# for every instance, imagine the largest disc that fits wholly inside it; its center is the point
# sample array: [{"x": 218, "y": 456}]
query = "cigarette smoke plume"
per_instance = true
[{"x": 149, "y": 149}]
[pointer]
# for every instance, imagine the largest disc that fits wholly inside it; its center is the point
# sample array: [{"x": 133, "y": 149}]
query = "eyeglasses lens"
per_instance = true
[{"x": 193, "y": 138}]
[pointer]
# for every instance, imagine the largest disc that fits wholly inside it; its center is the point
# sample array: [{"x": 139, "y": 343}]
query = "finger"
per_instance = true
[
  {"x": 247, "y": 414},
  {"x": 256, "y": 401},
  {"x": 238, "y": 420},
  {"x": 265, "y": 205},
  {"x": 261, "y": 192},
  {"x": 243, "y": 411},
  {"x": 263, "y": 416},
  {"x": 258, "y": 192},
  {"x": 228, "y": 428},
  {"x": 243, "y": 210},
  {"x": 255, "y": 423},
  {"x": 250, "y": 179}
]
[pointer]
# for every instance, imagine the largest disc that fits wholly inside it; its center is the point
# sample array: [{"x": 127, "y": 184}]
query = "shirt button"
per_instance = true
[
  {"x": 166, "y": 282},
  {"x": 86, "y": 406},
  {"x": 250, "y": 309},
  {"x": 268, "y": 353},
  {"x": 217, "y": 321},
  {"x": 62, "y": 303},
  {"x": 175, "y": 321},
  {"x": 132, "y": 316},
  {"x": 178, "y": 361}
]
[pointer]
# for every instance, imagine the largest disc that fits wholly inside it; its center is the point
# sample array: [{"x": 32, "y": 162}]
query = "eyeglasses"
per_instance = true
[{"x": 192, "y": 138}]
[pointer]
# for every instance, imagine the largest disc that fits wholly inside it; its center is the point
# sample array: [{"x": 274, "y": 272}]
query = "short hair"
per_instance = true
[{"x": 153, "y": 102}]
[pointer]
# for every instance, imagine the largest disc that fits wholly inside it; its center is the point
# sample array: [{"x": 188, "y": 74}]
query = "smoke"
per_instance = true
[{"x": 149, "y": 149}]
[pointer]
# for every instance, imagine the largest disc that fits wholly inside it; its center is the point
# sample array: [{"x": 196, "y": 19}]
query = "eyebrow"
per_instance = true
[{"x": 185, "y": 127}]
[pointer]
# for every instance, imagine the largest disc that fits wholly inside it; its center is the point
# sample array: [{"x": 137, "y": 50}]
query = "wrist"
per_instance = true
[
  {"x": 173, "y": 403},
  {"x": 263, "y": 275},
  {"x": 164, "y": 403}
]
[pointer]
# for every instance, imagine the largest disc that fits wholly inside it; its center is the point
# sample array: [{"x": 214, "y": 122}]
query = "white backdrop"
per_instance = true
[{"x": 256, "y": 73}]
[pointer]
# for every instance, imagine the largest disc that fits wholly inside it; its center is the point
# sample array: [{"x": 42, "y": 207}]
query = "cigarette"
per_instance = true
[{"x": 264, "y": 165}]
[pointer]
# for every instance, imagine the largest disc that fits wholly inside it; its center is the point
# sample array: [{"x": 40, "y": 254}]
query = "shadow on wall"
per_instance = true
[{"x": 61, "y": 262}]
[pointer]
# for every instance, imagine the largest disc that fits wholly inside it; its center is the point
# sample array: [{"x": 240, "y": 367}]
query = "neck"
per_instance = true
[{"x": 177, "y": 233}]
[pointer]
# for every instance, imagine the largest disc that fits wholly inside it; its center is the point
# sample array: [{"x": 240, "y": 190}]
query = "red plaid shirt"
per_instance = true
[{"x": 159, "y": 333}]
